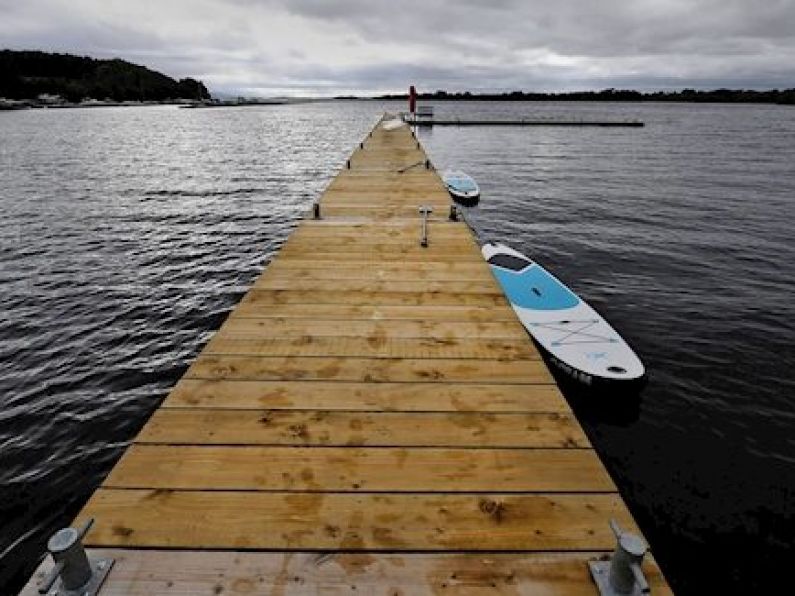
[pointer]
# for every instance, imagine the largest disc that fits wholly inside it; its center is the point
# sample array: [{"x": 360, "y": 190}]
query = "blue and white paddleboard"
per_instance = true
[
  {"x": 461, "y": 186},
  {"x": 577, "y": 339}
]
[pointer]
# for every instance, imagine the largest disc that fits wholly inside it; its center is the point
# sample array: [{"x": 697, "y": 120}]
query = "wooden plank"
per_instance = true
[
  {"x": 417, "y": 180},
  {"x": 342, "y": 295},
  {"x": 379, "y": 212},
  {"x": 394, "y": 329},
  {"x": 375, "y": 346},
  {"x": 384, "y": 227},
  {"x": 392, "y": 198},
  {"x": 377, "y": 243},
  {"x": 435, "y": 252},
  {"x": 346, "y": 312},
  {"x": 299, "y": 269},
  {"x": 354, "y": 522},
  {"x": 360, "y": 470},
  {"x": 416, "y": 175},
  {"x": 384, "y": 231},
  {"x": 369, "y": 233},
  {"x": 190, "y": 573},
  {"x": 314, "y": 230},
  {"x": 417, "y": 183},
  {"x": 462, "y": 268},
  {"x": 374, "y": 370},
  {"x": 388, "y": 397},
  {"x": 334, "y": 229},
  {"x": 442, "y": 248},
  {"x": 405, "y": 197},
  {"x": 410, "y": 193},
  {"x": 354, "y": 429}
]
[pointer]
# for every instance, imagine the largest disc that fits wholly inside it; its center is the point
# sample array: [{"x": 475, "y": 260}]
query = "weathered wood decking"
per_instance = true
[{"x": 370, "y": 417}]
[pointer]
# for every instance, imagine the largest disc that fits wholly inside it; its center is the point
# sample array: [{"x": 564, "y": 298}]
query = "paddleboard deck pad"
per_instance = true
[{"x": 576, "y": 338}]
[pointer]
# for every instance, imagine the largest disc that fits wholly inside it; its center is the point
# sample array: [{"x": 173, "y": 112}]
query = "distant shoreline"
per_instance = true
[
  {"x": 773, "y": 96},
  {"x": 32, "y": 104}
]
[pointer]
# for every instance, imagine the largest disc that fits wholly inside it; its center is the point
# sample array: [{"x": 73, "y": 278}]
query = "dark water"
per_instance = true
[{"x": 128, "y": 234}]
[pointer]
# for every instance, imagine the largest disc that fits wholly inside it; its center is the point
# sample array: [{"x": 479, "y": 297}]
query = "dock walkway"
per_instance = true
[{"x": 371, "y": 418}]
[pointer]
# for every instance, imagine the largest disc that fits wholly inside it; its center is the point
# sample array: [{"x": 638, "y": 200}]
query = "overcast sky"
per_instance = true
[{"x": 329, "y": 47}]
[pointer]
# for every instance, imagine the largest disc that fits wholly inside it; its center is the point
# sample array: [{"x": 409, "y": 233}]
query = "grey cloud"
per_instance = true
[
  {"x": 496, "y": 44},
  {"x": 572, "y": 27}
]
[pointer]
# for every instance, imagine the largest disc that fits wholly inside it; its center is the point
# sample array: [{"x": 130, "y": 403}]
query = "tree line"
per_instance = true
[
  {"x": 28, "y": 74},
  {"x": 786, "y": 96}
]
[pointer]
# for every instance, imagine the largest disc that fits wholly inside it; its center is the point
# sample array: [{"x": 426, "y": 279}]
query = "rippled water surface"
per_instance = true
[{"x": 128, "y": 234}]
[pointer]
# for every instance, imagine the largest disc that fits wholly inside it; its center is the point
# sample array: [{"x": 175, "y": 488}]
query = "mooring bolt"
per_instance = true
[
  {"x": 77, "y": 573},
  {"x": 453, "y": 213},
  {"x": 316, "y": 210},
  {"x": 623, "y": 573},
  {"x": 425, "y": 211}
]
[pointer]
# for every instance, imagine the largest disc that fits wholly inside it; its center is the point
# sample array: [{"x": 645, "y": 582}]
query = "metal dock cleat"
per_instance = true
[
  {"x": 622, "y": 574},
  {"x": 78, "y": 575}
]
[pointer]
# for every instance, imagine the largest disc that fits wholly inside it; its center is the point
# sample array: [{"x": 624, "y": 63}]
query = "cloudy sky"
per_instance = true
[{"x": 329, "y": 47}]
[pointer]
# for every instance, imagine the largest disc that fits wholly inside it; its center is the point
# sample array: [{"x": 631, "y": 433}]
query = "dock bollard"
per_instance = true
[
  {"x": 622, "y": 574},
  {"x": 348, "y": 164},
  {"x": 453, "y": 213},
  {"x": 316, "y": 210},
  {"x": 427, "y": 164},
  {"x": 72, "y": 566},
  {"x": 425, "y": 211}
]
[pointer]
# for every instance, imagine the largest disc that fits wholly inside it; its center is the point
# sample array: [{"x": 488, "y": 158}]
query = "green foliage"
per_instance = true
[{"x": 25, "y": 75}]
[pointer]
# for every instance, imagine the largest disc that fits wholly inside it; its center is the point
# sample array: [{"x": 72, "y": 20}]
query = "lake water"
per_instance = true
[{"x": 129, "y": 233}]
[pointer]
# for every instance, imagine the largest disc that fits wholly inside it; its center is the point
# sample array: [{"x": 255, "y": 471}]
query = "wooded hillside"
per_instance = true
[{"x": 26, "y": 74}]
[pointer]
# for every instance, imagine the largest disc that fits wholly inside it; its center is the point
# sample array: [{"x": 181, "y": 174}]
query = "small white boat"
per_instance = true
[
  {"x": 576, "y": 338},
  {"x": 462, "y": 187}
]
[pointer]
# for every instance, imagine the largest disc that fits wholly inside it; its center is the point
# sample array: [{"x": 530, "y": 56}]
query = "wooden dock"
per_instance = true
[
  {"x": 371, "y": 418},
  {"x": 523, "y": 122}
]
